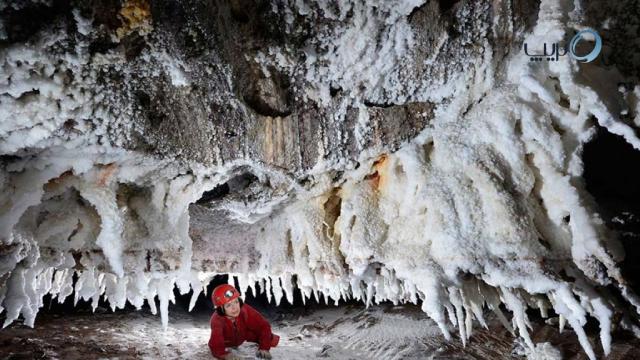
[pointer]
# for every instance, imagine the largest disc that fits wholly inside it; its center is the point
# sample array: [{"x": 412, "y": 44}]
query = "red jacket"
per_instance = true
[{"x": 248, "y": 326}]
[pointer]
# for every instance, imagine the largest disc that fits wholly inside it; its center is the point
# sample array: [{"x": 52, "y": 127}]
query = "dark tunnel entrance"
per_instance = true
[{"x": 612, "y": 176}]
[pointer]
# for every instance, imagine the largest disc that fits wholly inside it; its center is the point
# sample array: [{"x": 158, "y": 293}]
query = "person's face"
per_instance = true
[{"x": 232, "y": 308}]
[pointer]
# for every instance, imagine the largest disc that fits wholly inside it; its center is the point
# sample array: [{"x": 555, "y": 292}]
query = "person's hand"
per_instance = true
[{"x": 263, "y": 354}]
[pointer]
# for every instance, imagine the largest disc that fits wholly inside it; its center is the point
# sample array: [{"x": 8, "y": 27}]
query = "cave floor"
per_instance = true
[{"x": 345, "y": 332}]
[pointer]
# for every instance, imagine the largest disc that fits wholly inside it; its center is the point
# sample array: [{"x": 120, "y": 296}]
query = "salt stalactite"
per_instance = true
[
  {"x": 423, "y": 208},
  {"x": 104, "y": 200},
  {"x": 95, "y": 227}
]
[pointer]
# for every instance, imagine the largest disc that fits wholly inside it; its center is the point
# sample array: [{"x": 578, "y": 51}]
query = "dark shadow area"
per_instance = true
[
  {"x": 236, "y": 184},
  {"x": 617, "y": 24},
  {"x": 612, "y": 175},
  {"x": 23, "y": 21}
]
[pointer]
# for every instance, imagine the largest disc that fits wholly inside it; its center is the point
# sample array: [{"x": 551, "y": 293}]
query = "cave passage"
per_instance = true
[{"x": 612, "y": 176}]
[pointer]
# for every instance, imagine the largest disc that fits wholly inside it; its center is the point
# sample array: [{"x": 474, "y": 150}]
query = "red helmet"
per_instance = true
[{"x": 223, "y": 294}]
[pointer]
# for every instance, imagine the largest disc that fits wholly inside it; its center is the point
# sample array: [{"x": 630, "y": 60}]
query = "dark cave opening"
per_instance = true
[
  {"x": 236, "y": 184},
  {"x": 612, "y": 175}
]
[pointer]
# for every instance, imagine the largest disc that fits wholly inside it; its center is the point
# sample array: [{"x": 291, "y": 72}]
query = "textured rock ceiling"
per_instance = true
[{"x": 405, "y": 151}]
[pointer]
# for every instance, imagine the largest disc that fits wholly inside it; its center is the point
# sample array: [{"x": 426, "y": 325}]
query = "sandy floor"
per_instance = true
[{"x": 346, "y": 332}]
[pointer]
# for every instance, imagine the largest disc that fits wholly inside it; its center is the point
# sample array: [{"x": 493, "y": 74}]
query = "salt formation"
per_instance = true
[{"x": 483, "y": 206}]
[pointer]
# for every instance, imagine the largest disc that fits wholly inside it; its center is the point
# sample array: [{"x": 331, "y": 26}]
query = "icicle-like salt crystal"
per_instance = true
[
  {"x": 287, "y": 286},
  {"x": 461, "y": 326},
  {"x": 468, "y": 320},
  {"x": 543, "y": 308},
  {"x": 344, "y": 294},
  {"x": 165, "y": 292},
  {"x": 151, "y": 301},
  {"x": 120, "y": 294},
  {"x": 66, "y": 285},
  {"x": 194, "y": 298},
  {"x": 183, "y": 284},
  {"x": 268, "y": 289},
  {"x": 252, "y": 285},
  {"x": 435, "y": 310},
  {"x": 493, "y": 301},
  {"x": 30, "y": 309},
  {"x": 3, "y": 293},
  {"x": 95, "y": 299},
  {"x": 56, "y": 285},
  {"x": 86, "y": 286},
  {"x": 110, "y": 286},
  {"x": 601, "y": 310},
  {"x": 472, "y": 300},
  {"x": 434, "y": 301},
  {"x": 565, "y": 304},
  {"x": 603, "y": 313},
  {"x": 356, "y": 290},
  {"x": 27, "y": 191},
  {"x": 451, "y": 313},
  {"x": 77, "y": 286},
  {"x": 325, "y": 297},
  {"x": 477, "y": 312},
  {"x": 517, "y": 307},
  {"x": 392, "y": 287},
  {"x": 410, "y": 288},
  {"x": 115, "y": 290},
  {"x": 109, "y": 239},
  {"x": 197, "y": 288},
  {"x": 582, "y": 338},
  {"x": 101, "y": 288},
  {"x": 380, "y": 290},
  {"x": 277, "y": 290},
  {"x": 454, "y": 298},
  {"x": 561, "y": 323},
  {"x": 503, "y": 320},
  {"x": 45, "y": 282},
  {"x": 33, "y": 294},
  {"x": 628, "y": 294},
  {"x": 100, "y": 282},
  {"x": 369, "y": 294},
  {"x": 15, "y": 298},
  {"x": 137, "y": 290}
]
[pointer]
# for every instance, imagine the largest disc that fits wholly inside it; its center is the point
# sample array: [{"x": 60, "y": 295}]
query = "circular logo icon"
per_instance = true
[{"x": 596, "y": 49}]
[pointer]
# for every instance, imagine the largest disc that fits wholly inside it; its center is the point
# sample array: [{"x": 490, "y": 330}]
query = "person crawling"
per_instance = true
[{"x": 234, "y": 322}]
